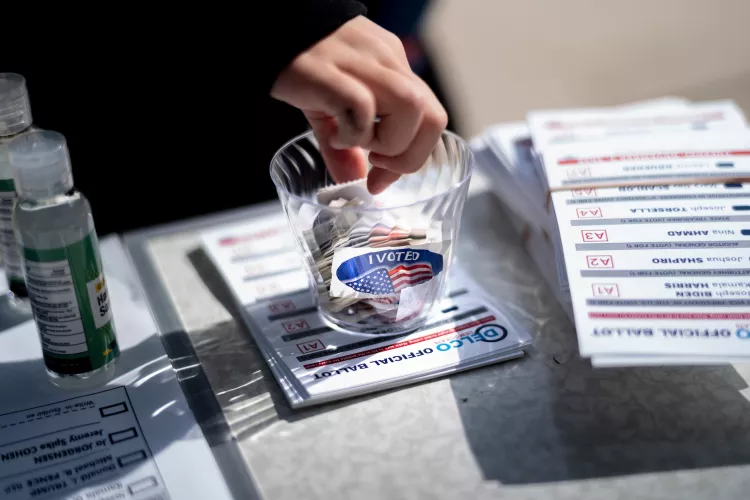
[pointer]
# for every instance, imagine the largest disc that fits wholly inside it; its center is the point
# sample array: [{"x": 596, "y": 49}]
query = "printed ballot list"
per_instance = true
[
  {"x": 324, "y": 362},
  {"x": 134, "y": 438},
  {"x": 657, "y": 261},
  {"x": 644, "y": 238},
  {"x": 315, "y": 363},
  {"x": 47, "y": 451}
]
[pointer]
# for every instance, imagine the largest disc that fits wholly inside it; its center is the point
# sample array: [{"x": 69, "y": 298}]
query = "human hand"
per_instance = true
[{"x": 342, "y": 83}]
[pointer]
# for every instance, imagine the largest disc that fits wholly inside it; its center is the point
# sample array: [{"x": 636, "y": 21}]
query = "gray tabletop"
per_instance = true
[{"x": 545, "y": 426}]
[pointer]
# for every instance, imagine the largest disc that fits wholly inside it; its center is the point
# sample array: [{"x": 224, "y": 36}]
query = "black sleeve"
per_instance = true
[
  {"x": 292, "y": 26},
  {"x": 171, "y": 118}
]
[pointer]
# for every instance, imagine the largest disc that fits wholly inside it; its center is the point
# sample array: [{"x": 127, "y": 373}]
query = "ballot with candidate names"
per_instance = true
[{"x": 646, "y": 213}]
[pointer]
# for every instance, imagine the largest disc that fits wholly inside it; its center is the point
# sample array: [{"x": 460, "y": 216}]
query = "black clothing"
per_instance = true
[{"x": 170, "y": 118}]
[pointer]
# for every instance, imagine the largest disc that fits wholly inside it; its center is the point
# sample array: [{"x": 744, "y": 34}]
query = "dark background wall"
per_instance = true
[{"x": 167, "y": 129}]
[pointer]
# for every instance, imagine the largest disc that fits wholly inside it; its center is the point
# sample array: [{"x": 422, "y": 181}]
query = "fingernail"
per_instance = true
[
  {"x": 377, "y": 182},
  {"x": 375, "y": 186}
]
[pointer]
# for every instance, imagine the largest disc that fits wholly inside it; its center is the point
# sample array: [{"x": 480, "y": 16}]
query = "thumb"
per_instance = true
[{"x": 344, "y": 165}]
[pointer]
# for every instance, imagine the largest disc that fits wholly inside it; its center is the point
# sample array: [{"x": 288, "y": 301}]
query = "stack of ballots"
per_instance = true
[
  {"x": 315, "y": 363},
  {"x": 638, "y": 216}
]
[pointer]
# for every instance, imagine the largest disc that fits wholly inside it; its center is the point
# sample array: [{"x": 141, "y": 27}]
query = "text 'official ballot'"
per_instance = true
[
  {"x": 646, "y": 211},
  {"x": 315, "y": 363}
]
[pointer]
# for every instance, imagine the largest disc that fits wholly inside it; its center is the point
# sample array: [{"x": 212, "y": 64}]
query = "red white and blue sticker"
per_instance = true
[{"x": 367, "y": 273}]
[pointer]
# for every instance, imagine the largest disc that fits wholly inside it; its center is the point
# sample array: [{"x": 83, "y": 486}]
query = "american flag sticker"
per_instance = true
[{"x": 387, "y": 272}]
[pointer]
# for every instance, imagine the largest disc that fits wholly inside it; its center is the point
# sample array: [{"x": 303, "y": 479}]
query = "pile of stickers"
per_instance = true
[
  {"x": 638, "y": 218},
  {"x": 337, "y": 229}
]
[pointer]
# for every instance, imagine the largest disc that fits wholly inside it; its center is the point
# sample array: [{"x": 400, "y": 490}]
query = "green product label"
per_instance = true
[
  {"x": 7, "y": 185},
  {"x": 71, "y": 306}
]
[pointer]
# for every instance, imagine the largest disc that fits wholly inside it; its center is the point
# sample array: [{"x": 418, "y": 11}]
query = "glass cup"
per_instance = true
[{"x": 376, "y": 264}]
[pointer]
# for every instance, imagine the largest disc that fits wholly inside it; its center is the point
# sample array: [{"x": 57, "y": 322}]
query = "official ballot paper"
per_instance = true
[
  {"x": 657, "y": 271},
  {"x": 315, "y": 363},
  {"x": 134, "y": 438}
]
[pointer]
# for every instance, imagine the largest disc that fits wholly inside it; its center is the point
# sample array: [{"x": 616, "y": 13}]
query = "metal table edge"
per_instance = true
[{"x": 197, "y": 389}]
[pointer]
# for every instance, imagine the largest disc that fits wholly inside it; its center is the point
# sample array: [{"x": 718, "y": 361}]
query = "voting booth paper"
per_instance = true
[
  {"x": 649, "y": 255},
  {"x": 134, "y": 438},
  {"x": 315, "y": 363}
]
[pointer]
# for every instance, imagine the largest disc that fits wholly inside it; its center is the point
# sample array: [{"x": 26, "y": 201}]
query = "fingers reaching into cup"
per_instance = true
[{"x": 342, "y": 83}]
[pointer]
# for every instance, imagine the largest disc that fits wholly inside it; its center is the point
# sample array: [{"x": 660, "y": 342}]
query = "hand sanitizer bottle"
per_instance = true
[
  {"x": 15, "y": 120},
  {"x": 63, "y": 269}
]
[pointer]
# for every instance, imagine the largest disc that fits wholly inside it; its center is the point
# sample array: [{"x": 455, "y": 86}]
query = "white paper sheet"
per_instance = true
[
  {"x": 133, "y": 438},
  {"x": 619, "y": 250},
  {"x": 571, "y": 126},
  {"x": 657, "y": 270}
]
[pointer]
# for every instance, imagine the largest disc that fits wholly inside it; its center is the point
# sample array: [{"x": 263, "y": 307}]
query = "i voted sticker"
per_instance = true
[{"x": 384, "y": 272}]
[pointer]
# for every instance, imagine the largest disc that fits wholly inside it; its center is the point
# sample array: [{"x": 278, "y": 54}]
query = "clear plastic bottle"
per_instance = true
[
  {"x": 63, "y": 269},
  {"x": 15, "y": 120}
]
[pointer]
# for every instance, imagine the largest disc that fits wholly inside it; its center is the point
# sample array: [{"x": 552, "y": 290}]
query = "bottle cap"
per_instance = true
[
  {"x": 41, "y": 164},
  {"x": 15, "y": 111}
]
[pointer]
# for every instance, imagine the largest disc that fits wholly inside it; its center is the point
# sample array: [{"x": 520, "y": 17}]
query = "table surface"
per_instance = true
[{"x": 545, "y": 426}]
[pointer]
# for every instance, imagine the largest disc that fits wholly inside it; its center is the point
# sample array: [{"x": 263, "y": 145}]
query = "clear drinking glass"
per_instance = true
[{"x": 376, "y": 264}]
